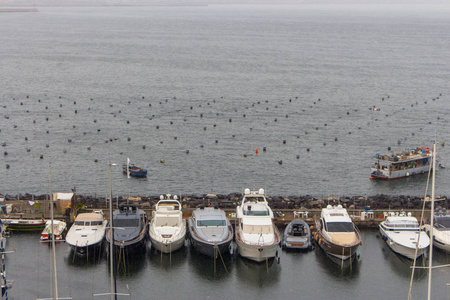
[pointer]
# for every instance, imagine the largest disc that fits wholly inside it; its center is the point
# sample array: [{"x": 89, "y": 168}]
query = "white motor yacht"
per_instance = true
[
  {"x": 88, "y": 231},
  {"x": 402, "y": 236},
  {"x": 441, "y": 231},
  {"x": 167, "y": 227},
  {"x": 257, "y": 237}
]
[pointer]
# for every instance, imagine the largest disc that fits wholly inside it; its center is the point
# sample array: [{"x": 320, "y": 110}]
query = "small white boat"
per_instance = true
[
  {"x": 257, "y": 237},
  {"x": 441, "y": 231},
  {"x": 167, "y": 227},
  {"x": 59, "y": 228},
  {"x": 88, "y": 231},
  {"x": 398, "y": 165},
  {"x": 402, "y": 235}
]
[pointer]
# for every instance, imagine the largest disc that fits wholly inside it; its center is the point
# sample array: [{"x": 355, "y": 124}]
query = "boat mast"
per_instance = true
[
  {"x": 55, "y": 278},
  {"x": 111, "y": 237},
  {"x": 430, "y": 262}
]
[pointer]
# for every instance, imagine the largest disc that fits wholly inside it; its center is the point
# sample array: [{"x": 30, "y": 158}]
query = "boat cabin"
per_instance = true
[
  {"x": 401, "y": 223},
  {"x": 89, "y": 219}
]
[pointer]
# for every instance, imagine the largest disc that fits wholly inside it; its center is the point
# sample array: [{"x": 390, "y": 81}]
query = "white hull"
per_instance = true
[
  {"x": 406, "y": 246},
  {"x": 165, "y": 246},
  {"x": 386, "y": 174},
  {"x": 441, "y": 238},
  {"x": 169, "y": 244},
  {"x": 257, "y": 253}
]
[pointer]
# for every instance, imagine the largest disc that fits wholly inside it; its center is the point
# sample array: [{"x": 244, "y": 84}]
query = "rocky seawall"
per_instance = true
[{"x": 374, "y": 202}]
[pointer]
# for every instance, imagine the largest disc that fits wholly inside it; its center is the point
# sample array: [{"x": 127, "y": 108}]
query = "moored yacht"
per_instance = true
[
  {"x": 167, "y": 228},
  {"x": 130, "y": 227},
  {"x": 210, "y": 231},
  {"x": 336, "y": 234},
  {"x": 59, "y": 228},
  {"x": 441, "y": 231},
  {"x": 297, "y": 235},
  {"x": 402, "y": 235},
  {"x": 87, "y": 232},
  {"x": 257, "y": 237}
]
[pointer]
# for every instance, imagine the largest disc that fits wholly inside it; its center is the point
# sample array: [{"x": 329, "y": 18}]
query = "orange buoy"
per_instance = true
[{"x": 256, "y": 151}]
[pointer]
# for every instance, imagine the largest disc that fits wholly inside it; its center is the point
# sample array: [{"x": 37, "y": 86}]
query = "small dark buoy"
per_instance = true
[
  {"x": 143, "y": 147},
  {"x": 7, "y": 166},
  {"x": 76, "y": 111},
  {"x": 128, "y": 139},
  {"x": 143, "y": 97},
  {"x": 47, "y": 131},
  {"x": 89, "y": 147},
  {"x": 69, "y": 140},
  {"x": 264, "y": 149},
  {"x": 171, "y": 122},
  {"x": 187, "y": 151},
  {"x": 204, "y": 128},
  {"x": 47, "y": 145},
  {"x": 243, "y": 115},
  {"x": 60, "y": 115},
  {"x": 28, "y": 149},
  {"x": 34, "y": 121},
  {"x": 389, "y": 148},
  {"x": 95, "y": 120},
  {"x": 399, "y": 142},
  {"x": 74, "y": 126},
  {"x": 307, "y": 149},
  {"x": 175, "y": 137},
  {"x": 26, "y": 138},
  {"x": 191, "y": 107},
  {"x": 128, "y": 122},
  {"x": 229, "y": 120},
  {"x": 201, "y": 146},
  {"x": 335, "y": 139},
  {"x": 96, "y": 160},
  {"x": 5, "y": 153},
  {"x": 98, "y": 130},
  {"x": 41, "y": 156},
  {"x": 284, "y": 141},
  {"x": 157, "y": 126},
  {"x": 74, "y": 102},
  {"x": 298, "y": 156},
  {"x": 201, "y": 115},
  {"x": 217, "y": 141},
  {"x": 348, "y": 113},
  {"x": 275, "y": 119},
  {"x": 65, "y": 151},
  {"x": 324, "y": 144},
  {"x": 280, "y": 162}
]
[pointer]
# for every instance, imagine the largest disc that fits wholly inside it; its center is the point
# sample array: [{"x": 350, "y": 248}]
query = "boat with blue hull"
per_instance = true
[
  {"x": 134, "y": 171},
  {"x": 210, "y": 231},
  {"x": 297, "y": 235},
  {"x": 130, "y": 227}
]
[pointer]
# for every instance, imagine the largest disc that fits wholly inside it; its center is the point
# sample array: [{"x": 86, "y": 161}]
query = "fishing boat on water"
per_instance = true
[
  {"x": 398, "y": 165},
  {"x": 87, "y": 232},
  {"x": 336, "y": 234},
  {"x": 441, "y": 230},
  {"x": 130, "y": 227},
  {"x": 297, "y": 235},
  {"x": 134, "y": 171},
  {"x": 59, "y": 228},
  {"x": 24, "y": 224},
  {"x": 210, "y": 231},
  {"x": 167, "y": 228},
  {"x": 257, "y": 237},
  {"x": 401, "y": 234}
]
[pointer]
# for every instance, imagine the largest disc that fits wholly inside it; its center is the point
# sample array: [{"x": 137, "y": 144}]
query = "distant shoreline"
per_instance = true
[{"x": 17, "y": 9}]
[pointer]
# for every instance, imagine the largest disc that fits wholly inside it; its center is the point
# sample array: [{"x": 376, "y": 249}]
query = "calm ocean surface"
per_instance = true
[{"x": 80, "y": 84}]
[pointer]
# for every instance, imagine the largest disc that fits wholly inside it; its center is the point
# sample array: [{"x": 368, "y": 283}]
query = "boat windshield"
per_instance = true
[
  {"x": 161, "y": 222},
  {"x": 402, "y": 224},
  {"x": 340, "y": 227},
  {"x": 211, "y": 223},
  {"x": 87, "y": 223},
  {"x": 443, "y": 222},
  {"x": 126, "y": 223},
  {"x": 258, "y": 229}
]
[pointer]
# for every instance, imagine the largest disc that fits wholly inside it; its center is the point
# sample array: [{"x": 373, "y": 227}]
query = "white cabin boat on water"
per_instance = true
[
  {"x": 409, "y": 162},
  {"x": 441, "y": 231},
  {"x": 257, "y": 237},
  {"x": 402, "y": 235},
  {"x": 88, "y": 231},
  {"x": 167, "y": 227}
]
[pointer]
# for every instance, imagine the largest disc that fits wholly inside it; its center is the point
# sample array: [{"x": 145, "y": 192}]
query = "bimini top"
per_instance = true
[
  {"x": 335, "y": 214},
  {"x": 401, "y": 222}
]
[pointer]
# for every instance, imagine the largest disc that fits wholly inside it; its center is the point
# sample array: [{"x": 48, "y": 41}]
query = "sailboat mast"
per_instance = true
[
  {"x": 430, "y": 262},
  {"x": 55, "y": 277}
]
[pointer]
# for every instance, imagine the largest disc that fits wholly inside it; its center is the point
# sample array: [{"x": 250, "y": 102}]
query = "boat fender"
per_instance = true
[
  {"x": 361, "y": 243},
  {"x": 319, "y": 241}
]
